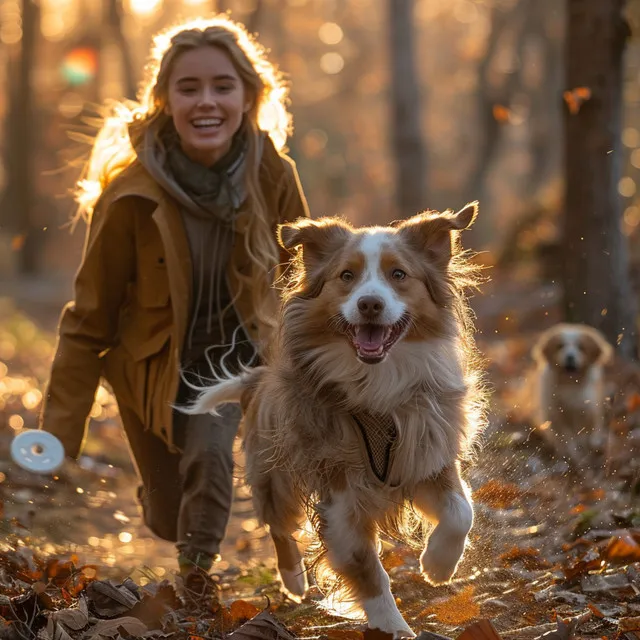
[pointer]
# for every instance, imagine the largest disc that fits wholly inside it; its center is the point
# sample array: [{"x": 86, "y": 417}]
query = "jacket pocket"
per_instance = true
[
  {"x": 146, "y": 332},
  {"x": 152, "y": 276}
]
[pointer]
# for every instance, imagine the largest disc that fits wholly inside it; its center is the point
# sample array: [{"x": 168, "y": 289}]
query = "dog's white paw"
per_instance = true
[
  {"x": 439, "y": 560},
  {"x": 382, "y": 613},
  {"x": 294, "y": 582}
]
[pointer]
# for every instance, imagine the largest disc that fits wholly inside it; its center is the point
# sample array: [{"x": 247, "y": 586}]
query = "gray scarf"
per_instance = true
[
  {"x": 209, "y": 199},
  {"x": 218, "y": 190}
]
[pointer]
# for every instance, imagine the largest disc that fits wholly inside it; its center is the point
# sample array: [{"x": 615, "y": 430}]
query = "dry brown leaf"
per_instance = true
[
  {"x": 264, "y": 626},
  {"x": 566, "y": 627},
  {"x": 111, "y": 599},
  {"x": 629, "y": 624},
  {"x": 17, "y": 242},
  {"x": 74, "y": 619},
  {"x": 458, "y": 609},
  {"x": 242, "y": 610},
  {"x": 498, "y": 495},
  {"x": 576, "y": 98},
  {"x": 344, "y": 634},
  {"x": 588, "y": 561},
  {"x": 481, "y": 630},
  {"x": 623, "y": 548},
  {"x": 111, "y": 628},
  {"x": 529, "y": 557},
  {"x": 377, "y": 634},
  {"x": 53, "y": 631},
  {"x": 501, "y": 113}
]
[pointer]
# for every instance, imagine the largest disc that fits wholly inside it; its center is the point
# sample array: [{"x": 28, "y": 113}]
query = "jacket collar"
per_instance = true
[{"x": 135, "y": 180}]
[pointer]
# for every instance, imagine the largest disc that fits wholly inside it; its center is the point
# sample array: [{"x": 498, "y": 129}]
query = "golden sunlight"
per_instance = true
[{"x": 144, "y": 7}]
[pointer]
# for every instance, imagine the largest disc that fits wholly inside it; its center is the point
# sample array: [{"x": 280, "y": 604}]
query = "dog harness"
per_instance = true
[{"x": 379, "y": 433}]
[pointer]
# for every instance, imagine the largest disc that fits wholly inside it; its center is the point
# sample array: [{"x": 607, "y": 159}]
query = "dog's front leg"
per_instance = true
[
  {"x": 349, "y": 535},
  {"x": 445, "y": 501}
]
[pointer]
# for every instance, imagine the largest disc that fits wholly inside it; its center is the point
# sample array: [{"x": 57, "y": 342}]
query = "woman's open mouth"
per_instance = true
[{"x": 373, "y": 342}]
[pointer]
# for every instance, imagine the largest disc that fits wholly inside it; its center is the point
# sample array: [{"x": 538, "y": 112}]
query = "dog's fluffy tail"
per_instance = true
[{"x": 226, "y": 391}]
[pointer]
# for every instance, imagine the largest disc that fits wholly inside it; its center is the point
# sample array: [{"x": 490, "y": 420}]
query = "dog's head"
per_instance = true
[
  {"x": 573, "y": 348},
  {"x": 373, "y": 287}
]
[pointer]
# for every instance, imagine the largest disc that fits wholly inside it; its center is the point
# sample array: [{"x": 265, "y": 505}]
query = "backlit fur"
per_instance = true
[
  {"x": 304, "y": 456},
  {"x": 570, "y": 395}
]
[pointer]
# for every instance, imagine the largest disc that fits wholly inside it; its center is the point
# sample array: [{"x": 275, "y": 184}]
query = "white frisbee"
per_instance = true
[{"x": 37, "y": 451}]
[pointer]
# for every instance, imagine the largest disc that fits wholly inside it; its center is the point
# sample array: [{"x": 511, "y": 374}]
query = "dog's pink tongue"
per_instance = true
[{"x": 369, "y": 337}]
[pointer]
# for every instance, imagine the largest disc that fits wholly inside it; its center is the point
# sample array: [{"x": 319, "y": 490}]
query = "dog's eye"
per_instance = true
[
  {"x": 346, "y": 276},
  {"x": 398, "y": 274}
]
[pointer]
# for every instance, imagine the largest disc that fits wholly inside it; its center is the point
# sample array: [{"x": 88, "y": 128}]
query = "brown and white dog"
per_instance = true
[
  {"x": 368, "y": 401},
  {"x": 570, "y": 389}
]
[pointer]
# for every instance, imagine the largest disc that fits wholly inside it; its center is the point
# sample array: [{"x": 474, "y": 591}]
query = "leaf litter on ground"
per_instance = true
[{"x": 553, "y": 554}]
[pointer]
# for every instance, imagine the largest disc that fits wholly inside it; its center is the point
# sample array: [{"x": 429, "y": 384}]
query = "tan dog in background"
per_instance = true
[{"x": 570, "y": 389}]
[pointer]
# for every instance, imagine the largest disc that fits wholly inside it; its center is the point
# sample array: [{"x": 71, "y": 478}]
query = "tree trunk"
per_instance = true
[
  {"x": 18, "y": 199},
  {"x": 406, "y": 110},
  {"x": 597, "y": 289},
  {"x": 114, "y": 12}
]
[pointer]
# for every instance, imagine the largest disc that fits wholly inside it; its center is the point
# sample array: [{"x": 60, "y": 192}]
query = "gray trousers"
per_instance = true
[{"x": 187, "y": 498}]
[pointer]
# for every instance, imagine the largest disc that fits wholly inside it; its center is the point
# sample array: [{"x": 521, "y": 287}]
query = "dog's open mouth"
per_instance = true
[{"x": 373, "y": 342}]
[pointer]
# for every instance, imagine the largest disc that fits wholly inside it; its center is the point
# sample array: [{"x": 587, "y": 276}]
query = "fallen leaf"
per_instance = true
[
  {"x": 566, "y": 627},
  {"x": 455, "y": 610},
  {"x": 623, "y": 548},
  {"x": 377, "y": 634},
  {"x": 110, "y": 599},
  {"x": 114, "y": 628},
  {"x": 53, "y": 631},
  {"x": 629, "y": 624},
  {"x": 588, "y": 561},
  {"x": 74, "y": 619},
  {"x": 529, "y": 557},
  {"x": 481, "y": 630},
  {"x": 241, "y": 610},
  {"x": 604, "y": 584},
  {"x": 344, "y": 634},
  {"x": 498, "y": 495},
  {"x": 428, "y": 635},
  {"x": 264, "y": 626}
]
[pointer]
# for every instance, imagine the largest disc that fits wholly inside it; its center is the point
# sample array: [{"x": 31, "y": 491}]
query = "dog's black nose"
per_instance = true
[
  {"x": 570, "y": 363},
  {"x": 370, "y": 306}
]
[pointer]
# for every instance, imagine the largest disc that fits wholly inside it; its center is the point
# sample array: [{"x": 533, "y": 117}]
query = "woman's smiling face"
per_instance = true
[{"x": 207, "y": 101}]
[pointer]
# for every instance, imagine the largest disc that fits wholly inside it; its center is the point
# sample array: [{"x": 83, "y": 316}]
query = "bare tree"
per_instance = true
[
  {"x": 406, "y": 109},
  {"x": 597, "y": 288}
]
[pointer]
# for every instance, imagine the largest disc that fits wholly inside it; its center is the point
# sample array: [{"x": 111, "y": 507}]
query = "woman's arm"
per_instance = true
[{"x": 88, "y": 326}]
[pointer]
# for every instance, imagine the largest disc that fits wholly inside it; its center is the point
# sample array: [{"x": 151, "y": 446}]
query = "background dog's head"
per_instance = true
[
  {"x": 573, "y": 348},
  {"x": 367, "y": 289}
]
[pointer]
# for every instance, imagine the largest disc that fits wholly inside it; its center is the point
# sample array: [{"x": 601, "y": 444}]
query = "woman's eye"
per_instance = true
[
  {"x": 225, "y": 89},
  {"x": 346, "y": 276},
  {"x": 398, "y": 274}
]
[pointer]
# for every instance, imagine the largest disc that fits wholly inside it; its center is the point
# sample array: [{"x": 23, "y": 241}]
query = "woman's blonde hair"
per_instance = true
[{"x": 127, "y": 123}]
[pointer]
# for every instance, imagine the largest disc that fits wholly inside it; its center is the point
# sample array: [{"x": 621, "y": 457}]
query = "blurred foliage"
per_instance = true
[{"x": 490, "y": 70}]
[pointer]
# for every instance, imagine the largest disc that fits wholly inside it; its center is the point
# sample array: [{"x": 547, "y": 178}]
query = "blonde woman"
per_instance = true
[{"x": 183, "y": 191}]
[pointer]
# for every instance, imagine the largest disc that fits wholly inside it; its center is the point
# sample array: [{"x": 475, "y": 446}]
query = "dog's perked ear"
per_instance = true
[
  {"x": 432, "y": 231},
  {"x": 547, "y": 345},
  {"x": 318, "y": 238},
  {"x": 596, "y": 347}
]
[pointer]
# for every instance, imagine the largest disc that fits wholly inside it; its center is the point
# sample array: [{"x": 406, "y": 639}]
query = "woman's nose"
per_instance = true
[{"x": 207, "y": 98}]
